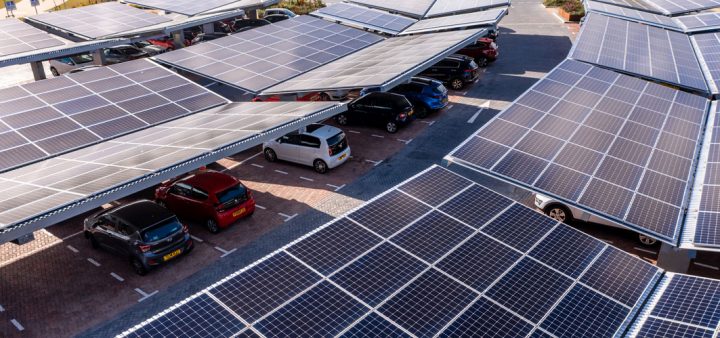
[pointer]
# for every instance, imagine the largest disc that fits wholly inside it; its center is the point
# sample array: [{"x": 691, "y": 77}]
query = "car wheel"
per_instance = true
[
  {"x": 270, "y": 155},
  {"x": 483, "y": 62},
  {"x": 559, "y": 213},
  {"x": 54, "y": 71},
  {"x": 647, "y": 240},
  {"x": 342, "y": 119},
  {"x": 391, "y": 127},
  {"x": 320, "y": 166},
  {"x": 421, "y": 111},
  {"x": 212, "y": 226},
  {"x": 457, "y": 84},
  {"x": 93, "y": 242},
  {"x": 138, "y": 267},
  {"x": 325, "y": 97}
]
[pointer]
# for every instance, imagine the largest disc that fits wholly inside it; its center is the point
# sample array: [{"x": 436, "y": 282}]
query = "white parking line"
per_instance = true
[
  {"x": 241, "y": 162},
  {"x": 281, "y": 172},
  {"x": 2, "y": 309},
  {"x": 645, "y": 250},
  {"x": 260, "y": 206},
  {"x": 353, "y": 131},
  {"x": 225, "y": 252},
  {"x": 197, "y": 239},
  {"x": 378, "y": 136},
  {"x": 335, "y": 186},
  {"x": 450, "y": 106},
  {"x": 116, "y": 276},
  {"x": 144, "y": 294},
  {"x": 17, "y": 324},
  {"x": 405, "y": 141},
  {"x": 428, "y": 122},
  {"x": 71, "y": 248},
  {"x": 93, "y": 262},
  {"x": 287, "y": 217},
  {"x": 375, "y": 163},
  {"x": 71, "y": 236},
  {"x": 475, "y": 116},
  {"x": 307, "y": 179},
  {"x": 257, "y": 165},
  {"x": 464, "y": 93},
  {"x": 706, "y": 266}
]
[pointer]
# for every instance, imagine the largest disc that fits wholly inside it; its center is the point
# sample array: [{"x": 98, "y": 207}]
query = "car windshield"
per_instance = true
[
  {"x": 161, "y": 230},
  {"x": 473, "y": 64},
  {"x": 336, "y": 139},
  {"x": 237, "y": 191},
  {"x": 438, "y": 88},
  {"x": 78, "y": 59}
]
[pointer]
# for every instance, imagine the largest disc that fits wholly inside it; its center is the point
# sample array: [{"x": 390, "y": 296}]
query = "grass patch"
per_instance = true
[{"x": 301, "y": 6}]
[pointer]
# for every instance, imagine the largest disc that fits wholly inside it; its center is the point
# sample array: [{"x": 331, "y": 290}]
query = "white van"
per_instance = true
[{"x": 321, "y": 146}]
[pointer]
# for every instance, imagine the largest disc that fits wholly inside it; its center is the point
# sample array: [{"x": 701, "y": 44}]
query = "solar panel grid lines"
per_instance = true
[
  {"x": 96, "y": 21},
  {"x": 706, "y": 46},
  {"x": 365, "y": 17},
  {"x": 18, "y": 37},
  {"x": 699, "y": 22},
  {"x": 412, "y": 8},
  {"x": 191, "y": 7},
  {"x": 457, "y": 7},
  {"x": 489, "y": 17},
  {"x": 636, "y": 4},
  {"x": 636, "y": 15}
]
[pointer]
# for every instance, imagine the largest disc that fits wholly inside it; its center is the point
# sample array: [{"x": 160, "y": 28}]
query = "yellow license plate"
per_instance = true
[
  {"x": 239, "y": 212},
  {"x": 342, "y": 157},
  {"x": 171, "y": 255}
]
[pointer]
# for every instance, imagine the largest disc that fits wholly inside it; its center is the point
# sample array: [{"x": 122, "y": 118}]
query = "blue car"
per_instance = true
[{"x": 426, "y": 95}]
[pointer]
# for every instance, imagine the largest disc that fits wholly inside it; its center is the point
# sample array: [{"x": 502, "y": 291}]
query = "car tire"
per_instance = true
[
  {"x": 325, "y": 97},
  {"x": 421, "y": 111},
  {"x": 482, "y": 62},
  {"x": 647, "y": 240},
  {"x": 270, "y": 155},
  {"x": 138, "y": 267},
  {"x": 212, "y": 226},
  {"x": 320, "y": 166},
  {"x": 457, "y": 84},
  {"x": 342, "y": 120},
  {"x": 54, "y": 71},
  {"x": 93, "y": 242},
  {"x": 391, "y": 127},
  {"x": 559, "y": 213}
]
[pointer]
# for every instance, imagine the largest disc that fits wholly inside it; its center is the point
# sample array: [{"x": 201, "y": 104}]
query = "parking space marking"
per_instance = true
[
  {"x": 71, "y": 248},
  {"x": 378, "y": 136},
  {"x": 307, "y": 179},
  {"x": 93, "y": 262},
  {"x": 483, "y": 106},
  {"x": 224, "y": 252},
  {"x": 241, "y": 162},
  {"x": 116, "y": 276},
  {"x": 405, "y": 141},
  {"x": 450, "y": 106},
  {"x": 353, "y": 131},
  {"x": 375, "y": 163},
  {"x": 71, "y": 236},
  {"x": 645, "y": 250},
  {"x": 335, "y": 186},
  {"x": 287, "y": 217},
  {"x": 257, "y": 165},
  {"x": 430, "y": 123},
  {"x": 144, "y": 294},
  {"x": 260, "y": 206},
  {"x": 281, "y": 172},
  {"x": 2, "y": 309},
  {"x": 17, "y": 324},
  {"x": 464, "y": 93},
  {"x": 197, "y": 239},
  {"x": 706, "y": 266}
]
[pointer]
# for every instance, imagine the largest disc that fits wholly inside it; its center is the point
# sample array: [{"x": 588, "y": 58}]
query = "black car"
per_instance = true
[
  {"x": 246, "y": 24},
  {"x": 386, "y": 109},
  {"x": 455, "y": 70},
  {"x": 144, "y": 232}
]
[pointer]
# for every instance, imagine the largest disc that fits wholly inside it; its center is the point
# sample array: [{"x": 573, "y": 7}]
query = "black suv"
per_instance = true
[
  {"x": 143, "y": 231},
  {"x": 386, "y": 109},
  {"x": 455, "y": 70}
]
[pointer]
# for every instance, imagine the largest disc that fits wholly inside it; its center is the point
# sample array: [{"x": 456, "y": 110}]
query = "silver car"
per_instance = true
[
  {"x": 321, "y": 146},
  {"x": 65, "y": 65}
]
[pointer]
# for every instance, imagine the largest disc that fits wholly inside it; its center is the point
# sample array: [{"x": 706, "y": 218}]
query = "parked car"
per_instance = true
[
  {"x": 246, "y": 24},
  {"x": 65, "y": 65},
  {"x": 455, "y": 70},
  {"x": 335, "y": 95},
  {"x": 321, "y": 146},
  {"x": 144, "y": 232},
  {"x": 164, "y": 42},
  {"x": 150, "y": 48},
  {"x": 276, "y": 18},
  {"x": 211, "y": 197},
  {"x": 483, "y": 51},
  {"x": 494, "y": 34},
  {"x": 123, "y": 53},
  {"x": 425, "y": 94},
  {"x": 567, "y": 214},
  {"x": 279, "y": 11},
  {"x": 202, "y": 37},
  {"x": 390, "y": 110}
]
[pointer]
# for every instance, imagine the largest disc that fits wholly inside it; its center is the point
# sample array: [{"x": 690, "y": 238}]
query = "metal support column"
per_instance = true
[
  {"x": 675, "y": 259},
  {"x": 179, "y": 39},
  {"x": 208, "y": 28},
  {"x": 38, "y": 70},
  {"x": 98, "y": 57}
]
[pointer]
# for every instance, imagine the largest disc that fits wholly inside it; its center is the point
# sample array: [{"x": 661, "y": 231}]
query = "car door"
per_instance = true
[
  {"x": 360, "y": 109},
  {"x": 289, "y": 148},
  {"x": 310, "y": 147},
  {"x": 177, "y": 198}
]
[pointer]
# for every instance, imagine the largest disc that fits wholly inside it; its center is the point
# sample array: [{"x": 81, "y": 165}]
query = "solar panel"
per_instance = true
[
  {"x": 634, "y": 15},
  {"x": 640, "y": 49},
  {"x": 642, "y": 5},
  {"x": 673, "y": 7},
  {"x": 384, "y": 64},
  {"x": 453, "y": 7},
  {"x": 17, "y": 37},
  {"x": 365, "y": 17},
  {"x": 51, "y": 117},
  {"x": 55, "y": 189},
  {"x": 413, "y": 8},
  {"x": 481, "y": 285},
  {"x": 192, "y": 7},
  {"x": 390, "y": 213},
  {"x": 265, "y": 56},
  {"x": 433, "y": 236},
  {"x": 710, "y": 57},
  {"x": 635, "y": 172},
  {"x": 95, "y": 21},
  {"x": 489, "y": 17}
]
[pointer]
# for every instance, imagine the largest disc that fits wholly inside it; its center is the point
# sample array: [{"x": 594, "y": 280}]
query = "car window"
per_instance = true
[
  {"x": 66, "y": 61},
  {"x": 161, "y": 230},
  {"x": 448, "y": 64},
  {"x": 198, "y": 194},
  {"x": 292, "y": 138},
  {"x": 78, "y": 59},
  {"x": 107, "y": 222},
  {"x": 181, "y": 189},
  {"x": 123, "y": 229},
  {"x": 235, "y": 192},
  {"x": 309, "y": 141}
]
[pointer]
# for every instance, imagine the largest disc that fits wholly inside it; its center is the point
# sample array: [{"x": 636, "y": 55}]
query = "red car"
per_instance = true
[
  {"x": 165, "y": 42},
  {"x": 214, "y": 198},
  {"x": 484, "y": 51},
  {"x": 310, "y": 97}
]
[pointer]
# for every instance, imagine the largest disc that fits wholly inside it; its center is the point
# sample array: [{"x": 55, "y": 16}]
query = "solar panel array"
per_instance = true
[
  {"x": 710, "y": 55},
  {"x": 194, "y": 7},
  {"x": 17, "y": 37},
  {"x": 640, "y": 49},
  {"x": 489, "y": 17},
  {"x": 448, "y": 7},
  {"x": 685, "y": 306},
  {"x": 365, "y": 17},
  {"x": 259, "y": 58},
  {"x": 634, "y": 4},
  {"x": 50, "y": 117},
  {"x": 699, "y": 22},
  {"x": 39, "y": 189},
  {"x": 608, "y": 143},
  {"x": 423, "y": 260},
  {"x": 635, "y": 15},
  {"x": 380, "y": 63},
  {"x": 673, "y": 7},
  {"x": 99, "y": 20},
  {"x": 414, "y": 8}
]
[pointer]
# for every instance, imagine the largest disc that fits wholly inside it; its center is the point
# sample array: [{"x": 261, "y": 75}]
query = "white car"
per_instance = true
[
  {"x": 64, "y": 65},
  {"x": 566, "y": 214},
  {"x": 321, "y": 146}
]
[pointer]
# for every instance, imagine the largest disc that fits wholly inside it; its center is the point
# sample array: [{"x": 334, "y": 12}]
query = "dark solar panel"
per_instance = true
[
  {"x": 487, "y": 317},
  {"x": 569, "y": 259},
  {"x": 435, "y": 186},
  {"x": 464, "y": 206},
  {"x": 365, "y": 17},
  {"x": 658, "y": 328},
  {"x": 506, "y": 227},
  {"x": 432, "y": 236},
  {"x": 374, "y": 326},
  {"x": 690, "y": 300},
  {"x": 18, "y": 37},
  {"x": 390, "y": 213}
]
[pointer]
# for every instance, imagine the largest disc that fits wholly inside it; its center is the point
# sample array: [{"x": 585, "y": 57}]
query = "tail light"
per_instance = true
[
  {"x": 469, "y": 70},
  {"x": 402, "y": 116},
  {"x": 143, "y": 248},
  {"x": 330, "y": 151}
]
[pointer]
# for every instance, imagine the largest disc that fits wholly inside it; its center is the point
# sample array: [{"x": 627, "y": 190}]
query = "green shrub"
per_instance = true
[
  {"x": 554, "y": 3},
  {"x": 574, "y": 7}
]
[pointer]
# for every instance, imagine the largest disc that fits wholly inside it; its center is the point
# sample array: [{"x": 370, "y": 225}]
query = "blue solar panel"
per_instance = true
[
  {"x": 334, "y": 246},
  {"x": 585, "y": 313},
  {"x": 572, "y": 259},
  {"x": 508, "y": 229},
  {"x": 690, "y": 300},
  {"x": 432, "y": 236},
  {"x": 530, "y": 289},
  {"x": 487, "y": 318},
  {"x": 435, "y": 186},
  {"x": 464, "y": 206},
  {"x": 658, "y": 328},
  {"x": 428, "y": 303},
  {"x": 265, "y": 286},
  {"x": 248, "y": 334},
  {"x": 389, "y": 213},
  {"x": 321, "y": 312},
  {"x": 377, "y": 275},
  {"x": 374, "y": 326}
]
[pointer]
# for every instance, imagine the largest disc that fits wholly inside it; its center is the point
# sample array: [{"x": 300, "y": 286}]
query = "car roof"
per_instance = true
[
  {"x": 424, "y": 80},
  {"x": 141, "y": 214},
  {"x": 459, "y": 57},
  {"x": 393, "y": 97},
  {"x": 322, "y": 130},
  {"x": 210, "y": 181}
]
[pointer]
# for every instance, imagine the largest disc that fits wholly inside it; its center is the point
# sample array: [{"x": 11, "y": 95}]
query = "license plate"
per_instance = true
[
  {"x": 171, "y": 255},
  {"x": 342, "y": 157},
  {"x": 239, "y": 212}
]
